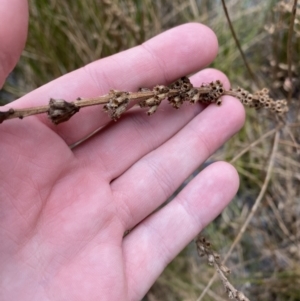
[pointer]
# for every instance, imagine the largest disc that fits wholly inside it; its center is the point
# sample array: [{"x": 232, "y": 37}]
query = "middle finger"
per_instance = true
[
  {"x": 152, "y": 179},
  {"x": 119, "y": 145}
]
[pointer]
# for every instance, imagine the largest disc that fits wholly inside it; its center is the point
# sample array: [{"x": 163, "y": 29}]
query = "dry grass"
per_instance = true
[{"x": 264, "y": 250}]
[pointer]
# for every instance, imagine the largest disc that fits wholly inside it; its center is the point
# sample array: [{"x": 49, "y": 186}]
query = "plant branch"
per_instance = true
[
  {"x": 251, "y": 214},
  {"x": 116, "y": 102},
  {"x": 238, "y": 43},
  {"x": 204, "y": 249}
]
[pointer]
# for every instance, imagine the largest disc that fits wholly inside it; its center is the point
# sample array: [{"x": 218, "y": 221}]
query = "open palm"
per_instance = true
[{"x": 63, "y": 212}]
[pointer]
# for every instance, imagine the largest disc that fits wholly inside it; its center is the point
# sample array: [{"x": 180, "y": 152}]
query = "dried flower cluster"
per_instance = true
[
  {"x": 116, "y": 102},
  {"x": 261, "y": 99},
  {"x": 61, "y": 110},
  {"x": 182, "y": 90},
  {"x": 204, "y": 249},
  {"x": 178, "y": 92}
]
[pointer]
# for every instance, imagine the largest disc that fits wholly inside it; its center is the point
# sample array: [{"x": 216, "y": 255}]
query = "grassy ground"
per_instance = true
[{"x": 265, "y": 257}]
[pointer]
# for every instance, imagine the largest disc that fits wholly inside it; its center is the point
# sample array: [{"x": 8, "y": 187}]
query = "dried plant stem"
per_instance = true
[
  {"x": 280, "y": 221},
  {"x": 204, "y": 249},
  {"x": 79, "y": 103},
  {"x": 214, "y": 296},
  {"x": 116, "y": 102},
  {"x": 289, "y": 143},
  {"x": 254, "y": 143},
  {"x": 238, "y": 43},
  {"x": 251, "y": 214},
  {"x": 259, "y": 197},
  {"x": 21, "y": 113},
  {"x": 290, "y": 49}
]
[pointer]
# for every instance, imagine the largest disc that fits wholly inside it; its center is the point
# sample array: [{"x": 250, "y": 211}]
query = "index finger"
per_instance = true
[{"x": 164, "y": 58}]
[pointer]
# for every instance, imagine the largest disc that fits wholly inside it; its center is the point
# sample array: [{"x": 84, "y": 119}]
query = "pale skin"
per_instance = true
[{"x": 63, "y": 212}]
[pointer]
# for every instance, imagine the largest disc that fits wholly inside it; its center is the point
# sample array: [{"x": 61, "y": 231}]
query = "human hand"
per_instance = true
[{"x": 63, "y": 212}]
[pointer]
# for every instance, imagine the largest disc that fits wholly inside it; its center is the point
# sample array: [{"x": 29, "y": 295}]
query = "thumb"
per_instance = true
[{"x": 13, "y": 34}]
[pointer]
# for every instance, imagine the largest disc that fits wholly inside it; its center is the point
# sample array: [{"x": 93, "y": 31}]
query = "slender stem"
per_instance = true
[
  {"x": 238, "y": 43},
  {"x": 116, "y": 102},
  {"x": 85, "y": 102},
  {"x": 251, "y": 214},
  {"x": 21, "y": 113},
  {"x": 290, "y": 49}
]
